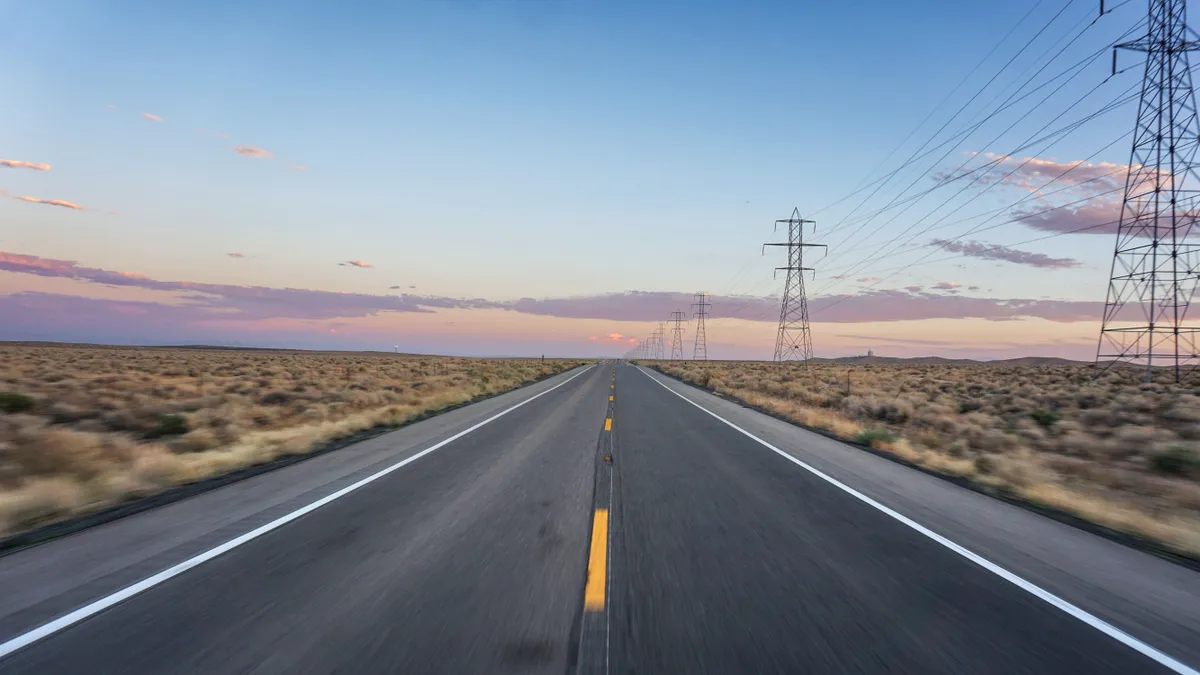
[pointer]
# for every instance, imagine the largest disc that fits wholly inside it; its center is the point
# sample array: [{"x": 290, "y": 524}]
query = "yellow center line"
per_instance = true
[
  {"x": 610, "y": 398},
  {"x": 597, "y": 574},
  {"x": 608, "y": 424}
]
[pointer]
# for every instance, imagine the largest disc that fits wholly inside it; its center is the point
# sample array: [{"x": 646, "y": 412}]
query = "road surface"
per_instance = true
[{"x": 607, "y": 520}]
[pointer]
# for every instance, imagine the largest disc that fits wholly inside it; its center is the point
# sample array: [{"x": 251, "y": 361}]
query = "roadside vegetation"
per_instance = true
[
  {"x": 83, "y": 428},
  {"x": 1116, "y": 451}
]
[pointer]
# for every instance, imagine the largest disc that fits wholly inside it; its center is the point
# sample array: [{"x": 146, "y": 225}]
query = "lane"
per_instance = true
[
  {"x": 471, "y": 559},
  {"x": 731, "y": 559}
]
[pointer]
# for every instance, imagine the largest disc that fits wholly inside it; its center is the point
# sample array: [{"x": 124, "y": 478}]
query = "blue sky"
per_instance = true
[{"x": 503, "y": 149}]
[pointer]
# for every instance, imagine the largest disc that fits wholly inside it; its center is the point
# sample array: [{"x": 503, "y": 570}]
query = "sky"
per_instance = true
[{"x": 527, "y": 177}]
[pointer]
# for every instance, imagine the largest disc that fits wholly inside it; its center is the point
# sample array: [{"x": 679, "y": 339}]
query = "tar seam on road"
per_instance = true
[
  {"x": 595, "y": 632},
  {"x": 1090, "y": 619},
  {"x": 45, "y": 630}
]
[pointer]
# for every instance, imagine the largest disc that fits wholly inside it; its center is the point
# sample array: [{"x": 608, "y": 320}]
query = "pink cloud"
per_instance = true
[
  {"x": 252, "y": 152},
  {"x": 615, "y": 337},
  {"x": 111, "y": 106},
  {"x": 889, "y": 305},
  {"x": 947, "y": 285},
  {"x": 15, "y": 164},
  {"x": 1033, "y": 173},
  {"x": 297, "y": 167},
  {"x": 1094, "y": 217},
  {"x": 913, "y": 289},
  {"x": 152, "y": 118},
  {"x": 977, "y": 249},
  {"x": 236, "y": 255},
  {"x": 864, "y": 280},
  {"x": 52, "y": 202},
  {"x": 356, "y": 263},
  {"x": 593, "y": 338},
  {"x": 243, "y": 302}
]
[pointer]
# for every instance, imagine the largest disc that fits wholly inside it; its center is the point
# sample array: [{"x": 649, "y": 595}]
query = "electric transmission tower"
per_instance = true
[
  {"x": 700, "y": 343},
  {"x": 677, "y": 336},
  {"x": 659, "y": 338},
  {"x": 794, "y": 339},
  {"x": 1154, "y": 270}
]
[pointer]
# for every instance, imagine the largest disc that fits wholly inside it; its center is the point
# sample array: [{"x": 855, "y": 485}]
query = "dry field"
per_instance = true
[
  {"x": 1117, "y": 452},
  {"x": 82, "y": 428}
]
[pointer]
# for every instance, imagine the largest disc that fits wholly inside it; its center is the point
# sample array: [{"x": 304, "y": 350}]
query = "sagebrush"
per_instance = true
[
  {"x": 1111, "y": 449},
  {"x": 82, "y": 428}
]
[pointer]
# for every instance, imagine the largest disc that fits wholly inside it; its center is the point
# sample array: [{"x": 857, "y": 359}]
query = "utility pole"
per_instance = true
[
  {"x": 1154, "y": 270},
  {"x": 794, "y": 338},
  {"x": 677, "y": 336},
  {"x": 700, "y": 342}
]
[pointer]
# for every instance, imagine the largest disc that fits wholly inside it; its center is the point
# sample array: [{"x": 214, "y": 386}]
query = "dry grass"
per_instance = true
[
  {"x": 1115, "y": 451},
  {"x": 82, "y": 428}
]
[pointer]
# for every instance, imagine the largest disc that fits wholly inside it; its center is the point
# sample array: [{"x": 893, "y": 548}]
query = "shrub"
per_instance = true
[
  {"x": 15, "y": 403},
  {"x": 1176, "y": 460},
  {"x": 1046, "y": 418},
  {"x": 169, "y": 425},
  {"x": 873, "y": 436},
  {"x": 965, "y": 407}
]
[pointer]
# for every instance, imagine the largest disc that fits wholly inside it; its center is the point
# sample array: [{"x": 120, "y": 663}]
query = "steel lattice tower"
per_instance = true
[
  {"x": 794, "y": 339},
  {"x": 700, "y": 342},
  {"x": 1154, "y": 271},
  {"x": 677, "y": 336}
]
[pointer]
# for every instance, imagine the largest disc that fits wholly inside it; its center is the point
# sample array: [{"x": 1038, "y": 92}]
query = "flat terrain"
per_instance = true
[
  {"x": 82, "y": 428},
  {"x": 466, "y": 543},
  {"x": 1113, "y": 450}
]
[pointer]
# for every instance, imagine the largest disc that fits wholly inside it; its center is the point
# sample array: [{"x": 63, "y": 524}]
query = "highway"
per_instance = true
[{"x": 606, "y": 520}]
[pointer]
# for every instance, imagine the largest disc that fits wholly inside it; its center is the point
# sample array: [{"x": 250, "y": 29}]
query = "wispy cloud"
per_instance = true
[
  {"x": 152, "y": 118},
  {"x": 297, "y": 167},
  {"x": 16, "y": 164},
  {"x": 977, "y": 249},
  {"x": 111, "y": 106},
  {"x": 204, "y": 301},
  {"x": 615, "y": 337},
  {"x": 913, "y": 289},
  {"x": 52, "y": 202},
  {"x": 947, "y": 285},
  {"x": 236, "y": 255},
  {"x": 865, "y": 280},
  {"x": 1033, "y": 173},
  {"x": 252, "y": 152},
  {"x": 356, "y": 263}
]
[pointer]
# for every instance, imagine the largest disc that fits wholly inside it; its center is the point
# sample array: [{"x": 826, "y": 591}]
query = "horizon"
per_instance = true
[
  {"x": 584, "y": 357},
  {"x": 469, "y": 178}
]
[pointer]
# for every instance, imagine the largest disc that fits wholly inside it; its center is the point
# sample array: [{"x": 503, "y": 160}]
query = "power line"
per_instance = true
[{"x": 961, "y": 108}]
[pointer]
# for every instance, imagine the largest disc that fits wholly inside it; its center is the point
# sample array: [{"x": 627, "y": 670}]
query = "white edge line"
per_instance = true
[
  {"x": 1027, "y": 586},
  {"x": 25, "y": 639}
]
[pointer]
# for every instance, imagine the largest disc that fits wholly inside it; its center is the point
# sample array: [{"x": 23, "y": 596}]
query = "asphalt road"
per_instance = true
[{"x": 575, "y": 533}]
